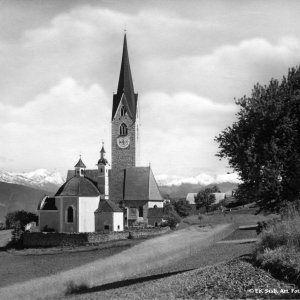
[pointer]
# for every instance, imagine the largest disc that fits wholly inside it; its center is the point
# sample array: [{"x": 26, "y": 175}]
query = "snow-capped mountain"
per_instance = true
[
  {"x": 41, "y": 179},
  {"x": 202, "y": 179}
]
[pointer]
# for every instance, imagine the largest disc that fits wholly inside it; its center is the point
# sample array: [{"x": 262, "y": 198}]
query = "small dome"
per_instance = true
[
  {"x": 102, "y": 161},
  {"x": 78, "y": 186}
]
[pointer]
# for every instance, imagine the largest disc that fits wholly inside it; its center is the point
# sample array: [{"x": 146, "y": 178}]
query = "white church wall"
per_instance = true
[
  {"x": 86, "y": 218},
  {"x": 118, "y": 221}
]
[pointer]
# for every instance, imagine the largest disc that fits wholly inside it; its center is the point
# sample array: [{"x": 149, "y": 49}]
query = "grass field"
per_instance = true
[{"x": 238, "y": 218}]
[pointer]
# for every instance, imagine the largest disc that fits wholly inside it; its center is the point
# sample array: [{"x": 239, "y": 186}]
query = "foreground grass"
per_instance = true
[
  {"x": 237, "y": 279},
  {"x": 279, "y": 249}
]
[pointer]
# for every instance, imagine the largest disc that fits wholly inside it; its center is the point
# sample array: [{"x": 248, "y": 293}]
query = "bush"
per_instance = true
[
  {"x": 283, "y": 262},
  {"x": 284, "y": 233},
  {"x": 182, "y": 207},
  {"x": 278, "y": 250},
  {"x": 21, "y": 217},
  {"x": 171, "y": 219}
]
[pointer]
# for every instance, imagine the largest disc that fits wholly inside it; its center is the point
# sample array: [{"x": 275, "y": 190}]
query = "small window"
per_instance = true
[
  {"x": 101, "y": 170},
  {"x": 156, "y": 224},
  {"x": 141, "y": 211},
  {"x": 81, "y": 171},
  {"x": 123, "y": 111},
  {"x": 155, "y": 206},
  {"x": 70, "y": 215},
  {"x": 118, "y": 227},
  {"x": 123, "y": 129},
  {"x": 106, "y": 227}
]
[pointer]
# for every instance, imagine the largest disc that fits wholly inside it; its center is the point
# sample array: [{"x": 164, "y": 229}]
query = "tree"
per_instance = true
[
  {"x": 20, "y": 219},
  {"x": 182, "y": 207},
  {"x": 263, "y": 145},
  {"x": 205, "y": 198}
]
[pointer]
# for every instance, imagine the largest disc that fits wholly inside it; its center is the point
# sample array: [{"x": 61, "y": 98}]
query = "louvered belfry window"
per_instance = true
[
  {"x": 123, "y": 111},
  {"x": 123, "y": 129}
]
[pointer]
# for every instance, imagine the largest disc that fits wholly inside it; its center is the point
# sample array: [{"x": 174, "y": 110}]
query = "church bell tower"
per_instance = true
[
  {"x": 125, "y": 119},
  {"x": 124, "y": 129}
]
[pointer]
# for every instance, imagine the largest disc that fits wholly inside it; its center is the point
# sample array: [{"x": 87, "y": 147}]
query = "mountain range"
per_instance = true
[
  {"x": 25, "y": 190},
  {"x": 38, "y": 179}
]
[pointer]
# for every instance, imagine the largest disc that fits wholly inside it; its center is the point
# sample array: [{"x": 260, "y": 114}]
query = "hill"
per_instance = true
[
  {"x": 17, "y": 197},
  {"x": 180, "y": 191}
]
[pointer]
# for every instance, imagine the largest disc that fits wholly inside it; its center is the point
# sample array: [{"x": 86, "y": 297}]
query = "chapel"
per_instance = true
[{"x": 114, "y": 196}]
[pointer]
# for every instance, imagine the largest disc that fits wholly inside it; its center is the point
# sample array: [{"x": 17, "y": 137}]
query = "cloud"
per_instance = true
[
  {"x": 203, "y": 179},
  {"x": 229, "y": 71},
  {"x": 53, "y": 128},
  {"x": 59, "y": 78}
]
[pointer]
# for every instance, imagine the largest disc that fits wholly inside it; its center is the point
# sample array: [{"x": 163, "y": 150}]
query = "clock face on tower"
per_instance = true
[{"x": 123, "y": 141}]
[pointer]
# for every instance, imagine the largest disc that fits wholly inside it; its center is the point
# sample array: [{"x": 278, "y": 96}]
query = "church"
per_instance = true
[{"x": 108, "y": 198}]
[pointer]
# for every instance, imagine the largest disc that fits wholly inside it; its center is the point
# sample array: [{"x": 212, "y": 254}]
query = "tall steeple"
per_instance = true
[{"x": 125, "y": 86}]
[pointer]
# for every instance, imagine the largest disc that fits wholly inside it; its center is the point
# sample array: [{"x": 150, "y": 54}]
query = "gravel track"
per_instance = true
[{"x": 236, "y": 279}]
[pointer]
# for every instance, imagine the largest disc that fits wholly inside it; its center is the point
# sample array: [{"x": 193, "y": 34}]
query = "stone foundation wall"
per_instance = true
[{"x": 52, "y": 239}]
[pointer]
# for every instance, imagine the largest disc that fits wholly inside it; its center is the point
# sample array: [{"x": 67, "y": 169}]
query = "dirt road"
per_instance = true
[{"x": 149, "y": 255}]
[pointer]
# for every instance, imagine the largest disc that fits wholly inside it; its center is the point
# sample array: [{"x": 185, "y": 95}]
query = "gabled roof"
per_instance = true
[
  {"x": 78, "y": 186},
  {"x": 80, "y": 164},
  {"x": 125, "y": 86},
  {"x": 140, "y": 184},
  {"x": 108, "y": 206}
]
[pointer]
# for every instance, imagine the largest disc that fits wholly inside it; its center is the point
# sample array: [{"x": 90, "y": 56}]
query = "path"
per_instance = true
[{"x": 165, "y": 250}]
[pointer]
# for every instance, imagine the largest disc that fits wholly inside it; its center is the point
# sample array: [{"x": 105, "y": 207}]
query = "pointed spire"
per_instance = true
[
  {"x": 80, "y": 164},
  {"x": 102, "y": 159},
  {"x": 102, "y": 149},
  {"x": 125, "y": 85}
]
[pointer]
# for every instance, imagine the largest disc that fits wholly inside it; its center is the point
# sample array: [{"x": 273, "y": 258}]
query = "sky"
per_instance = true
[{"x": 60, "y": 63}]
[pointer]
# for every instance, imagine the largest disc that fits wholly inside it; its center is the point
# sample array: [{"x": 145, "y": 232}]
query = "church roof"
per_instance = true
[
  {"x": 140, "y": 184},
  {"x": 108, "y": 206},
  {"x": 125, "y": 86},
  {"x": 78, "y": 186},
  {"x": 47, "y": 203},
  {"x": 80, "y": 164}
]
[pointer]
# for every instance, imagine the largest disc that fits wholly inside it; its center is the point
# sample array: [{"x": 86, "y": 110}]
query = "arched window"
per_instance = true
[
  {"x": 123, "y": 129},
  {"x": 70, "y": 214},
  {"x": 123, "y": 111}
]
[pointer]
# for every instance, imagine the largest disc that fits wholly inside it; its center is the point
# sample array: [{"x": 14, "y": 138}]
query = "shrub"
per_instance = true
[
  {"x": 21, "y": 216},
  {"x": 284, "y": 233},
  {"x": 171, "y": 219},
  {"x": 278, "y": 250},
  {"x": 283, "y": 262},
  {"x": 182, "y": 207}
]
